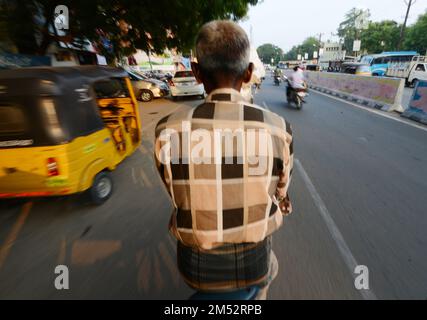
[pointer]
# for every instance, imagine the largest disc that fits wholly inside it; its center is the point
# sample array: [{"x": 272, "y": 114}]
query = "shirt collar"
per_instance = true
[{"x": 225, "y": 94}]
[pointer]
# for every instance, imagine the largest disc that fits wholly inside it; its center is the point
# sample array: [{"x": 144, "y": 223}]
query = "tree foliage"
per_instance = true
[
  {"x": 269, "y": 51},
  {"x": 347, "y": 29},
  {"x": 125, "y": 24},
  {"x": 416, "y": 35},
  {"x": 380, "y": 36},
  {"x": 310, "y": 45}
]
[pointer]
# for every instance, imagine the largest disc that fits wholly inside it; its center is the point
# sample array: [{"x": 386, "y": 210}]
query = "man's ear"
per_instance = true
[
  {"x": 196, "y": 71},
  {"x": 248, "y": 73}
]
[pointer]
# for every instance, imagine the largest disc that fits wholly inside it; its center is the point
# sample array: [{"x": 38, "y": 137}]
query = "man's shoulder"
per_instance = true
[
  {"x": 270, "y": 118},
  {"x": 254, "y": 115},
  {"x": 174, "y": 117}
]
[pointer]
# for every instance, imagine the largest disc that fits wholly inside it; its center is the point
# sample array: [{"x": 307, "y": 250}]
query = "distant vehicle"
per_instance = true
[
  {"x": 185, "y": 84},
  {"x": 356, "y": 68},
  {"x": 379, "y": 63},
  {"x": 146, "y": 89},
  {"x": 295, "y": 96},
  {"x": 412, "y": 72},
  {"x": 312, "y": 67}
]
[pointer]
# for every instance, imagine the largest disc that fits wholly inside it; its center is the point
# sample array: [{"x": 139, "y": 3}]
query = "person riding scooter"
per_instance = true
[
  {"x": 277, "y": 76},
  {"x": 296, "y": 82}
]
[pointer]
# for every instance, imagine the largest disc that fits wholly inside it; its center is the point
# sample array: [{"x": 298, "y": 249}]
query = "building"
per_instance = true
[{"x": 330, "y": 52}]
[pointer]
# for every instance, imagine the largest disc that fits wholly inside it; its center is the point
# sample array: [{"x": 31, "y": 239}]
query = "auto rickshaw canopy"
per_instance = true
[{"x": 63, "y": 97}]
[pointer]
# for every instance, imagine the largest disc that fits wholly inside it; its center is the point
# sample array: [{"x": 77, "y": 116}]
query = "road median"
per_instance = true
[
  {"x": 376, "y": 92},
  {"x": 417, "y": 110}
]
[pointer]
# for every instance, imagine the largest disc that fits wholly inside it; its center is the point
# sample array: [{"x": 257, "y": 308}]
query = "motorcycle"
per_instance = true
[
  {"x": 277, "y": 80},
  {"x": 295, "y": 96}
]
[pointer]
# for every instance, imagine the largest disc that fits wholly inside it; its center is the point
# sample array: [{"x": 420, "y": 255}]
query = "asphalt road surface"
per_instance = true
[{"x": 358, "y": 191}]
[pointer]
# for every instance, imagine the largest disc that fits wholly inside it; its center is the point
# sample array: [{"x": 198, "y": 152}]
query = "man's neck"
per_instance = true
[{"x": 223, "y": 84}]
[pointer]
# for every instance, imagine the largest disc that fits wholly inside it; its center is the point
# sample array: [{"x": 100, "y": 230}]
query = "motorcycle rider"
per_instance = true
[
  {"x": 277, "y": 75},
  {"x": 296, "y": 81}
]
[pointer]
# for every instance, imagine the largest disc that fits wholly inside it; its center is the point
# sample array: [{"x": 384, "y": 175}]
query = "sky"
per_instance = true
[{"x": 286, "y": 23}]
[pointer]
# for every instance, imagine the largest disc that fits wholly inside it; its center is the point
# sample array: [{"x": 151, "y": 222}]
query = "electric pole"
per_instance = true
[
  {"x": 320, "y": 38},
  {"x": 409, "y": 4}
]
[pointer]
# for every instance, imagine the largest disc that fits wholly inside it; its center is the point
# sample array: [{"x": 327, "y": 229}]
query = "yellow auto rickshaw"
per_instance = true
[{"x": 63, "y": 130}]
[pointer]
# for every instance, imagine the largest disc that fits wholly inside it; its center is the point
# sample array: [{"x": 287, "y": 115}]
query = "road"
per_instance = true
[{"x": 358, "y": 193}]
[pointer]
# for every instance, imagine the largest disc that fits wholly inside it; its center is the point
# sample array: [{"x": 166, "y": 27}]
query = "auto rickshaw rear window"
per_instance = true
[
  {"x": 114, "y": 88},
  {"x": 12, "y": 121}
]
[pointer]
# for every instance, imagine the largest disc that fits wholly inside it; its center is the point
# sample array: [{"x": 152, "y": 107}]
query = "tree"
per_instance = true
[
  {"x": 268, "y": 51},
  {"x": 117, "y": 27},
  {"x": 416, "y": 36},
  {"x": 348, "y": 30},
  {"x": 380, "y": 36},
  {"x": 310, "y": 45}
]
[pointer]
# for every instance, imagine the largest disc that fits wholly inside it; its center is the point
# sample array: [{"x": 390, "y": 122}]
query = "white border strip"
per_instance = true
[{"x": 346, "y": 254}]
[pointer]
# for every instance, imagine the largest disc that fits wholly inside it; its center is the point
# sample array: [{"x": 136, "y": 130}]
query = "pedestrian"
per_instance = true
[{"x": 226, "y": 211}]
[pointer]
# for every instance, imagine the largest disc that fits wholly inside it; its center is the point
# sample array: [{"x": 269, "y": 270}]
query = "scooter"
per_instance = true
[{"x": 295, "y": 97}]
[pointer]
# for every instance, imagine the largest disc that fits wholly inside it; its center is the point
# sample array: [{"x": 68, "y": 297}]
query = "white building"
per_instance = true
[{"x": 331, "y": 51}]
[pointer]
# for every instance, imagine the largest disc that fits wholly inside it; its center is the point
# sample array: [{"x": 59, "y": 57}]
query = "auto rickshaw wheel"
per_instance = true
[{"x": 102, "y": 188}]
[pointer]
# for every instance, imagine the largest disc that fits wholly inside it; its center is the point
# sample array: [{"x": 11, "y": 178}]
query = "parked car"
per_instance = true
[
  {"x": 185, "y": 84},
  {"x": 146, "y": 89}
]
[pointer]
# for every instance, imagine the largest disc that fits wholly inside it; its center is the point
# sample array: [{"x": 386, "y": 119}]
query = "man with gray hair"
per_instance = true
[{"x": 225, "y": 211}]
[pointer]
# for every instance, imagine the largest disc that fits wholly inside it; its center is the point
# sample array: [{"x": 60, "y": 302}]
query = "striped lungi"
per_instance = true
[{"x": 232, "y": 266}]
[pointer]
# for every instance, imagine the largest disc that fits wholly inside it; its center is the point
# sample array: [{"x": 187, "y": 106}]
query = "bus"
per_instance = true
[{"x": 380, "y": 62}]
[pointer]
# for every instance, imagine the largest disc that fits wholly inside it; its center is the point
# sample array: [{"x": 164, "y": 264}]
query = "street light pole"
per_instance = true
[{"x": 402, "y": 30}]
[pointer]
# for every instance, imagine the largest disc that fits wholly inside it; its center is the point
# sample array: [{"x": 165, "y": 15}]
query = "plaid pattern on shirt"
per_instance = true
[{"x": 220, "y": 202}]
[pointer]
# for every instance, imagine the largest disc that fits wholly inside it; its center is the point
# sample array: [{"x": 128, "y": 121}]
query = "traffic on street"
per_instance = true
[
  {"x": 202, "y": 162},
  {"x": 357, "y": 173}
]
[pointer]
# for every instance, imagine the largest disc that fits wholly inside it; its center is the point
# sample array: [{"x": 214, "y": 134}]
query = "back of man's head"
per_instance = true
[{"x": 223, "y": 47}]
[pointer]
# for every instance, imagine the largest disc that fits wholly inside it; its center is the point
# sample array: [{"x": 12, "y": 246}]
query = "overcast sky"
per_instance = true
[{"x": 286, "y": 23}]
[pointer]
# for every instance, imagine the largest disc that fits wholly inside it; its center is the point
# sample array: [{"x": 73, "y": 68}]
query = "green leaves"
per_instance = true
[
  {"x": 380, "y": 36},
  {"x": 127, "y": 24},
  {"x": 348, "y": 30},
  {"x": 268, "y": 51},
  {"x": 310, "y": 45},
  {"x": 384, "y": 35},
  {"x": 416, "y": 35}
]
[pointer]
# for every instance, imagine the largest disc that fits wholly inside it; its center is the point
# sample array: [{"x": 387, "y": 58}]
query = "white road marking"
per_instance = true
[
  {"x": 343, "y": 248},
  {"x": 145, "y": 179},
  {"x": 133, "y": 176},
  {"x": 377, "y": 112}
]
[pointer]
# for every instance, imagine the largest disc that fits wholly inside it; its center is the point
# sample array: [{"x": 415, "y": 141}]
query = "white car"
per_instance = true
[{"x": 185, "y": 84}]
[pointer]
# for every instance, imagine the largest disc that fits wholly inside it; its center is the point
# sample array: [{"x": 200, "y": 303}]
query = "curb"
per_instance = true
[
  {"x": 358, "y": 100},
  {"x": 415, "y": 115}
]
